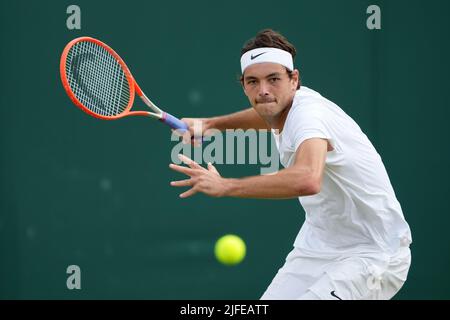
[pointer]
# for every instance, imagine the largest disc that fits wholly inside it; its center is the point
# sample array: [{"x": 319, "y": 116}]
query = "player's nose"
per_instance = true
[{"x": 263, "y": 89}]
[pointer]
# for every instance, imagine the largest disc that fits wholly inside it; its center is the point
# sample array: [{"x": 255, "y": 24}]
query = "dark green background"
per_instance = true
[{"x": 77, "y": 190}]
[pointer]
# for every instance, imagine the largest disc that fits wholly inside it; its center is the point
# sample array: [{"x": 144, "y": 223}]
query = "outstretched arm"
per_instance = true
[
  {"x": 303, "y": 178},
  {"x": 245, "y": 119}
]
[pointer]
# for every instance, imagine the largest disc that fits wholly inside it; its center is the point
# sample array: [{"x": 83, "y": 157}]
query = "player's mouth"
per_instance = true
[{"x": 265, "y": 100}]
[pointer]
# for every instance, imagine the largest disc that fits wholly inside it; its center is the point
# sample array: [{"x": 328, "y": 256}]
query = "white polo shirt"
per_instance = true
[{"x": 356, "y": 210}]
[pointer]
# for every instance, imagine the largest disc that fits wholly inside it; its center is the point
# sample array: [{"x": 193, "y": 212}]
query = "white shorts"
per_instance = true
[{"x": 368, "y": 277}]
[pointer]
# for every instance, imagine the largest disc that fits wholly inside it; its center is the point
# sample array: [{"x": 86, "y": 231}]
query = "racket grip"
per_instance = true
[{"x": 174, "y": 122}]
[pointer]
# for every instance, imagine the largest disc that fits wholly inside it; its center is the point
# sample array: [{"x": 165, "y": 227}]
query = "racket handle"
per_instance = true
[{"x": 174, "y": 122}]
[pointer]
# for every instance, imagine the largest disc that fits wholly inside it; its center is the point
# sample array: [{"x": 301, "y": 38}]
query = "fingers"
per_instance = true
[
  {"x": 188, "y": 161},
  {"x": 182, "y": 183},
  {"x": 188, "y": 193},
  {"x": 179, "y": 132},
  {"x": 194, "y": 135},
  {"x": 187, "y": 137},
  {"x": 212, "y": 168},
  {"x": 187, "y": 171},
  {"x": 195, "y": 171},
  {"x": 197, "y": 141}
]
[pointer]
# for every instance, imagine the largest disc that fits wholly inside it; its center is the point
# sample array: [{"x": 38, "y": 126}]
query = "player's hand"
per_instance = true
[
  {"x": 207, "y": 181},
  {"x": 197, "y": 130}
]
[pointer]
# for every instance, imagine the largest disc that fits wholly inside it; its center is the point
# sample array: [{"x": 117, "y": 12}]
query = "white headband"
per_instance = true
[{"x": 260, "y": 55}]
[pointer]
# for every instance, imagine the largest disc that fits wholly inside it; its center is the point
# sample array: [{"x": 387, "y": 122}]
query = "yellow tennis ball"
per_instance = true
[{"x": 230, "y": 249}]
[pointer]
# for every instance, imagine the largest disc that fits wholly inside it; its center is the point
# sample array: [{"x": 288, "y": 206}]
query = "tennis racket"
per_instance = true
[{"x": 99, "y": 82}]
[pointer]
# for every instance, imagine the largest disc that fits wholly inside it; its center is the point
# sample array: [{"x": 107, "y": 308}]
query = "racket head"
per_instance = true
[{"x": 96, "y": 79}]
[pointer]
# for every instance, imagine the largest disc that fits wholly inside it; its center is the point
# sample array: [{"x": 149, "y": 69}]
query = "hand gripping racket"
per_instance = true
[{"x": 98, "y": 81}]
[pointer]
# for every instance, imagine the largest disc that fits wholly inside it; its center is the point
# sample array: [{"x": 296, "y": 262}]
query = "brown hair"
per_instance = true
[{"x": 272, "y": 39}]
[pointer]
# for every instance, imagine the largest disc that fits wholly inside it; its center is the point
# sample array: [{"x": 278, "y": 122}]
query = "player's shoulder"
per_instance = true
[{"x": 309, "y": 102}]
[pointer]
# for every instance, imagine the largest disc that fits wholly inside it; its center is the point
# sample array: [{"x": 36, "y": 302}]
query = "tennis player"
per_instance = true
[{"x": 354, "y": 243}]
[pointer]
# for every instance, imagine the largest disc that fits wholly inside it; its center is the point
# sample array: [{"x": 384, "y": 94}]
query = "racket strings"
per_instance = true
[{"x": 97, "y": 79}]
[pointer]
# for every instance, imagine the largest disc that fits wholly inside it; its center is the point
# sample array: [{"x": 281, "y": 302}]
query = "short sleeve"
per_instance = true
[{"x": 310, "y": 122}]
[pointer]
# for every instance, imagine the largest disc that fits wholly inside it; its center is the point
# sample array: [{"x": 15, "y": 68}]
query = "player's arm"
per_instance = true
[
  {"x": 245, "y": 119},
  {"x": 303, "y": 178}
]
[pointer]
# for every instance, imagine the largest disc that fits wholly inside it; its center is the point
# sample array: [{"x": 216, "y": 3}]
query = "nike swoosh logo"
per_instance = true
[
  {"x": 254, "y": 57},
  {"x": 334, "y": 295}
]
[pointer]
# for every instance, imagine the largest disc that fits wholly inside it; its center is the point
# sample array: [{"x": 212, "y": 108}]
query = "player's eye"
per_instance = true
[{"x": 274, "y": 79}]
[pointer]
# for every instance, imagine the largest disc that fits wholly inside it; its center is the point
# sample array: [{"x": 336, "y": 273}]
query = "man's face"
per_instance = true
[{"x": 269, "y": 88}]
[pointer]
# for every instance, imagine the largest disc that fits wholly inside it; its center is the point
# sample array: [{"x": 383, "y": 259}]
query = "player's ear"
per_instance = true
[
  {"x": 295, "y": 78},
  {"x": 241, "y": 81},
  {"x": 243, "y": 87}
]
